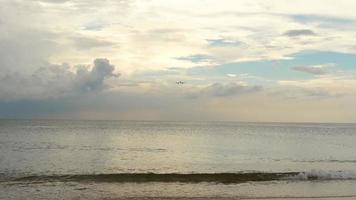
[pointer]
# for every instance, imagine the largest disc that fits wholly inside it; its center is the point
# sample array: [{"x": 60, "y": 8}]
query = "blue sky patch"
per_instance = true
[{"x": 282, "y": 69}]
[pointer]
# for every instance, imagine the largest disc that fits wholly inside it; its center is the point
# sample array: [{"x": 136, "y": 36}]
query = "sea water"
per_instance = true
[{"x": 145, "y": 159}]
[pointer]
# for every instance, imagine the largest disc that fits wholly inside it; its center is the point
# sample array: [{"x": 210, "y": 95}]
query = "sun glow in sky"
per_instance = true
[{"x": 244, "y": 60}]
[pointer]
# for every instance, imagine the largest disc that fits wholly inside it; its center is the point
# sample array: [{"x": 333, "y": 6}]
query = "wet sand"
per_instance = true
[{"x": 331, "y": 190}]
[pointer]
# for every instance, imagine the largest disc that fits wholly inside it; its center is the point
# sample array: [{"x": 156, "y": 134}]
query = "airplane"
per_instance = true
[{"x": 180, "y": 82}]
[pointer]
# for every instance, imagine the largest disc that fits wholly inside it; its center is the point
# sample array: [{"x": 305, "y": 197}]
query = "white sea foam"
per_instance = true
[{"x": 325, "y": 175}]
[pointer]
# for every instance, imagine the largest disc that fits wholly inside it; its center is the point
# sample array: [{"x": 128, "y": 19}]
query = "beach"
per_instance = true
[{"x": 172, "y": 191}]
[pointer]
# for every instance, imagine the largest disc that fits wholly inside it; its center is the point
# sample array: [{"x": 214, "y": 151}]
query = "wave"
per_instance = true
[
  {"x": 322, "y": 161},
  {"x": 171, "y": 177},
  {"x": 195, "y": 177},
  {"x": 324, "y": 175}
]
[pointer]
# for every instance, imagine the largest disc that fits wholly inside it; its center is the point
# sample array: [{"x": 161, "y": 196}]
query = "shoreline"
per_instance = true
[{"x": 335, "y": 189}]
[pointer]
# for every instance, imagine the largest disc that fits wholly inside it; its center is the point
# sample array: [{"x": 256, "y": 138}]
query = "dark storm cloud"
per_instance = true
[{"x": 299, "y": 32}]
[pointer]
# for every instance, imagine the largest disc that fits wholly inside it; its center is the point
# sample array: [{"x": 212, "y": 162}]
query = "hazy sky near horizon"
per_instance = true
[{"x": 245, "y": 60}]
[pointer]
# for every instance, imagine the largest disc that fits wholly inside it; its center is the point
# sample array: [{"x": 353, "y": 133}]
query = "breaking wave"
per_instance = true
[
  {"x": 325, "y": 175},
  {"x": 195, "y": 177}
]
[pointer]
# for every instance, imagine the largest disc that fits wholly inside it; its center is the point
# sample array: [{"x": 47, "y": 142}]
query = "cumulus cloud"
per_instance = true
[
  {"x": 56, "y": 81},
  {"x": 90, "y": 80},
  {"x": 315, "y": 69},
  {"x": 299, "y": 32}
]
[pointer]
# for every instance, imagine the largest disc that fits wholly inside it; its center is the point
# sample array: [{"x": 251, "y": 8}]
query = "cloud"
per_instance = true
[
  {"x": 85, "y": 43},
  {"x": 95, "y": 25},
  {"x": 231, "y": 75},
  {"x": 197, "y": 58},
  {"x": 53, "y": 1},
  {"x": 149, "y": 39},
  {"x": 91, "y": 80},
  {"x": 229, "y": 89},
  {"x": 245, "y": 31},
  {"x": 56, "y": 81},
  {"x": 299, "y": 32},
  {"x": 325, "y": 21},
  {"x": 321, "y": 86},
  {"x": 25, "y": 50},
  {"x": 315, "y": 69},
  {"x": 224, "y": 42}
]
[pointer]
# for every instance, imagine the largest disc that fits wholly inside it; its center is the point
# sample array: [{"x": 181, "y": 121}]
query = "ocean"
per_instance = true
[{"x": 60, "y": 159}]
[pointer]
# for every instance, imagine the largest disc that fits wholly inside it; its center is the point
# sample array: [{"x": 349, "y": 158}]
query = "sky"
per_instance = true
[{"x": 240, "y": 60}]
